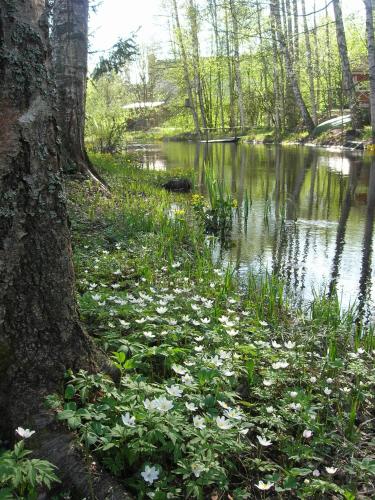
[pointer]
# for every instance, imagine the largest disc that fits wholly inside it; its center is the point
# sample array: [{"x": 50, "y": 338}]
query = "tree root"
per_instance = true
[
  {"x": 77, "y": 471},
  {"x": 90, "y": 171}
]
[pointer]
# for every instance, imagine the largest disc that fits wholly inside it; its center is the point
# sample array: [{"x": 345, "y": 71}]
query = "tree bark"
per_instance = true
[
  {"x": 308, "y": 122},
  {"x": 40, "y": 335},
  {"x": 69, "y": 51},
  {"x": 317, "y": 71},
  {"x": 349, "y": 87},
  {"x": 310, "y": 67},
  {"x": 328, "y": 63},
  {"x": 371, "y": 60},
  {"x": 218, "y": 60},
  {"x": 263, "y": 59},
  {"x": 229, "y": 59},
  {"x": 185, "y": 64},
  {"x": 276, "y": 82},
  {"x": 296, "y": 38},
  {"x": 237, "y": 63},
  {"x": 192, "y": 14}
]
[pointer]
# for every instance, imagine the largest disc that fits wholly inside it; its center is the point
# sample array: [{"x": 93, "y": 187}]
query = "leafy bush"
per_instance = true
[{"x": 20, "y": 476}]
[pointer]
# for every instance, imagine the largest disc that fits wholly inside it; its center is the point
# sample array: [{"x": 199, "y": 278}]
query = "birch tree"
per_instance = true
[
  {"x": 369, "y": 6},
  {"x": 348, "y": 84},
  {"x": 308, "y": 122},
  {"x": 185, "y": 64},
  {"x": 237, "y": 62},
  {"x": 309, "y": 63}
]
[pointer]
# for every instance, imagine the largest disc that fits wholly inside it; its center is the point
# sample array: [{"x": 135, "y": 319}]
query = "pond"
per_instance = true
[{"x": 311, "y": 216}]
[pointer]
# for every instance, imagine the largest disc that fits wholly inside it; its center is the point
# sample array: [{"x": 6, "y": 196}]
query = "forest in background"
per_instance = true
[
  {"x": 238, "y": 66},
  {"x": 129, "y": 360}
]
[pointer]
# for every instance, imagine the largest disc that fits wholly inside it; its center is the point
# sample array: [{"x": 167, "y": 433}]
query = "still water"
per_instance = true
[{"x": 311, "y": 218}]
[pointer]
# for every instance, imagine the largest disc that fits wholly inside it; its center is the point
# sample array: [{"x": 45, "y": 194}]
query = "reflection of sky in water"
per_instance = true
[
  {"x": 304, "y": 202},
  {"x": 336, "y": 163}
]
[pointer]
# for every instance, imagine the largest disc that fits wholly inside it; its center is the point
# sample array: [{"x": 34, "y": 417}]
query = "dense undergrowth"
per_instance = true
[{"x": 226, "y": 392}]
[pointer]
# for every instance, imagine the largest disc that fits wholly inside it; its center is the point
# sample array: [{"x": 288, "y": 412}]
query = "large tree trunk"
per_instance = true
[
  {"x": 371, "y": 60},
  {"x": 69, "y": 51},
  {"x": 40, "y": 335},
  {"x": 349, "y": 87}
]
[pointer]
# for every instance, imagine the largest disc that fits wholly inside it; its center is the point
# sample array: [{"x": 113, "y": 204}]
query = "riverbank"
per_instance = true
[
  {"x": 223, "y": 389},
  {"x": 333, "y": 138}
]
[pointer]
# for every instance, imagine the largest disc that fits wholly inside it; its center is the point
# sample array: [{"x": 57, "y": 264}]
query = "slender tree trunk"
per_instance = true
[
  {"x": 230, "y": 72},
  {"x": 328, "y": 64},
  {"x": 185, "y": 64},
  {"x": 308, "y": 122},
  {"x": 237, "y": 62},
  {"x": 69, "y": 50},
  {"x": 290, "y": 111},
  {"x": 218, "y": 60},
  {"x": 349, "y": 87},
  {"x": 296, "y": 38},
  {"x": 276, "y": 82},
  {"x": 40, "y": 335},
  {"x": 192, "y": 14},
  {"x": 317, "y": 73},
  {"x": 371, "y": 60},
  {"x": 263, "y": 59},
  {"x": 310, "y": 66},
  {"x": 290, "y": 28}
]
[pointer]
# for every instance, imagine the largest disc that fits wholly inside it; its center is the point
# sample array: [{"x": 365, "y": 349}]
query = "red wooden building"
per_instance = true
[{"x": 361, "y": 79}]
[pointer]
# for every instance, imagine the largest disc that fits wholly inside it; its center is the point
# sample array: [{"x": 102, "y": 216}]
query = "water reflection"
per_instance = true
[{"x": 311, "y": 217}]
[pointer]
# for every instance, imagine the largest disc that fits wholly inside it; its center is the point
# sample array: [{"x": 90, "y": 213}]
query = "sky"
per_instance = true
[{"x": 119, "y": 18}]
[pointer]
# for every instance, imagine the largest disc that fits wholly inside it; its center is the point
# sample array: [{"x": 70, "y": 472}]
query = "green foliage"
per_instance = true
[
  {"x": 106, "y": 119},
  {"x": 21, "y": 476},
  {"x": 120, "y": 54},
  {"x": 217, "y": 213},
  {"x": 221, "y": 387}
]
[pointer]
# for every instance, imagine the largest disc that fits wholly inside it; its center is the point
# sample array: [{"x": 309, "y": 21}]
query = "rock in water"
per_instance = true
[{"x": 182, "y": 185}]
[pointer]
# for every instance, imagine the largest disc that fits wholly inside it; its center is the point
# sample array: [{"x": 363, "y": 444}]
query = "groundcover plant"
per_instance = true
[{"x": 226, "y": 391}]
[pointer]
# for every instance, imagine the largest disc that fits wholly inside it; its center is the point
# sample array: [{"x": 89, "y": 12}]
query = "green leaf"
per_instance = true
[
  {"x": 69, "y": 391},
  {"x": 250, "y": 367},
  {"x": 129, "y": 364},
  {"x": 108, "y": 446},
  {"x": 290, "y": 483},
  {"x": 299, "y": 472},
  {"x": 6, "y": 494}
]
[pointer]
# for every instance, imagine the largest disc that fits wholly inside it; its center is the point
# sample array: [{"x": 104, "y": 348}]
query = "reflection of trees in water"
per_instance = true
[
  {"x": 355, "y": 171},
  {"x": 286, "y": 250},
  {"x": 312, "y": 187},
  {"x": 297, "y": 185},
  {"x": 366, "y": 270}
]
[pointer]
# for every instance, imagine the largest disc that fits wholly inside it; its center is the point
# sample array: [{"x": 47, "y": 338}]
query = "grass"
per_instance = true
[{"x": 225, "y": 390}]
